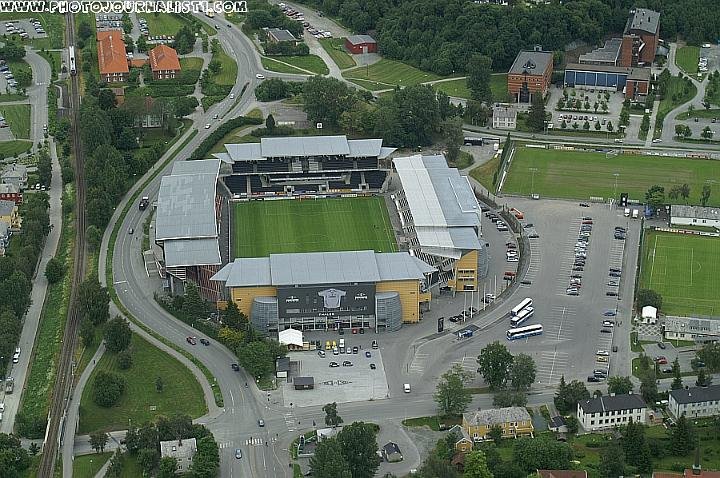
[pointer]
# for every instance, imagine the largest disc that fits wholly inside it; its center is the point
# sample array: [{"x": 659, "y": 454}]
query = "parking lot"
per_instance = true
[
  {"x": 341, "y": 384},
  {"x": 29, "y": 28},
  {"x": 614, "y": 104},
  {"x": 573, "y": 328}
]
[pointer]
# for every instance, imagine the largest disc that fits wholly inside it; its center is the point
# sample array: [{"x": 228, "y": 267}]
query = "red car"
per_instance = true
[
  {"x": 661, "y": 360},
  {"x": 191, "y": 340}
]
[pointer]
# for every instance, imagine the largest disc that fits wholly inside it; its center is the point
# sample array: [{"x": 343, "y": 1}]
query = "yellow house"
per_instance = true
[
  {"x": 9, "y": 213},
  {"x": 514, "y": 422}
]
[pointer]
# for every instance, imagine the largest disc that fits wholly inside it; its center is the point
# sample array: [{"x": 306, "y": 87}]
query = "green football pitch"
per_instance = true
[
  {"x": 312, "y": 225},
  {"x": 580, "y": 175},
  {"x": 683, "y": 269}
]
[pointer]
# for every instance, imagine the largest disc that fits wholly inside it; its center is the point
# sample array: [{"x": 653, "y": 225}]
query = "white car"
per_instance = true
[
  {"x": 232, "y": 96},
  {"x": 207, "y": 125},
  {"x": 260, "y": 77},
  {"x": 602, "y": 352},
  {"x": 608, "y": 323}
]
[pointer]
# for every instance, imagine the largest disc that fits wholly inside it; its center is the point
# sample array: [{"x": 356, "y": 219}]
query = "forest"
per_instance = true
[{"x": 440, "y": 35}]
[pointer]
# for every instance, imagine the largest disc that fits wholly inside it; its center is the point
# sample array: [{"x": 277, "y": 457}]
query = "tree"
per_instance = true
[
  {"x": 232, "y": 317},
  {"x": 619, "y": 385},
  {"x": 98, "y": 440},
  {"x": 359, "y": 445},
  {"x": 586, "y": 126},
  {"x": 677, "y": 378},
  {"x": 572, "y": 424},
  {"x": 453, "y": 135},
  {"x": 597, "y": 126},
  {"x": 193, "y": 305},
  {"x": 125, "y": 359},
  {"x": 710, "y": 354},
  {"x": 701, "y": 378},
  {"x": 93, "y": 301},
  {"x": 494, "y": 364},
  {"x": 635, "y": 446},
  {"x": 168, "y": 466},
  {"x": 326, "y": 99},
  {"x": 54, "y": 270},
  {"x": 108, "y": 387},
  {"x": 328, "y": 461},
  {"x": 408, "y": 118},
  {"x": 184, "y": 106},
  {"x": 495, "y": 433},
  {"x": 207, "y": 458},
  {"x": 645, "y": 124},
  {"x": 159, "y": 384},
  {"x": 148, "y": 459},
  {"x": 476, "y": 465},
  {"x": 332, "y": 419},
  {"x": 674, "y": 193},
  {"x": 14, "y": 460},
  {"x": 450, "y": 394},
  {"x": 568, "y": 395},
  {"x": 612, "y": 461},
  {"x": 649, "y": 297},
  {"x": 682, "y": 437},
  {"x": 184, "y": 40},
  {"x": 256, "y": 359},
  {"x": 117, "y": 335},
  {"x": 522, "y": 372},
  {"x": 648, "y": 387},
  {"x": 106, "y": 99},
  {"x": 537, "y": 117},
  {"x": 508, "y": 398},
  {"x": 610, "y": 126},
  {"x": 270, "y": 123},
  {"x": 541, "y": 453},
  {"x": 87, "y": 332},
  {"x": 685, "y": 192},
  {"x": 705, "y": 195},
  {"x": 479, "y": 69},
  {"x": 94, "y": 237},
  {"x": 707, "y": 133}
]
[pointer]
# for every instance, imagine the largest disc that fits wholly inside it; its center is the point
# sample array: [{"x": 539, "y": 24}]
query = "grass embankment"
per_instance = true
[
  {"x": 387, "y": 74},
  {"x": 579, "y": 174},
  {"x": 141, "y": 401},
  {"x": 485, "y": 173},
  {"x": 87, "y": 466},
  {"x": 228, "y": 70},
  {"x": 335, "y": 47},
  {"x": 163, "y": 23},
  {"x": 10, "y": 149},
  {"x": 312, "y": 63},
  {"x": 433, "y": 422},
  {"x": 18, "y": 118},
  {"x": 277, "y": 66},
  {"x": 707, "y": 114},
  {"x": 458, "y": 88},
  {"x": 687, "y": 58}
]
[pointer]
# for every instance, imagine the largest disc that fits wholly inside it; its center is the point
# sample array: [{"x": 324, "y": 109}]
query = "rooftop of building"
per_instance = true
[
  {"x": 7, "y": 207},
  {"x": 692, "y": 325},
  {"x": 532, "y": 62},
  {"x": 496, "y": 416},
  {"x": 695, "y": 212},
  {"x": 633, "y": 73},
  {"x": 178, "y": 448},
  {"x": 608, "y": 53},
  {"x": 562, "y": 473},
  {"x": 9, "y": 188},
  {"x": 281, "y": 34},
  {"x": 111, "y": 52},
  {"x": 609, "y": 403},
  {"x": 360, "y": 39},
  {"x": 504, "y": 111},
  {"x": 164, "y": 58},
  {"x": 643, "y": 19},
  {"x": 696, "y": 394}
]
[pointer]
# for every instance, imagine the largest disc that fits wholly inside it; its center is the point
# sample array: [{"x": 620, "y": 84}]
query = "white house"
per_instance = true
[
  {"x": 182, "y": 450},
  {"x": 611, "y": 411},
  {"x": 695, "y": 402},
  {"x": 681, "y": 215},
  {"x": 649, "y": 315},
  {"x": 504, "y": 116},
  {"x": 698, "y": 329}
]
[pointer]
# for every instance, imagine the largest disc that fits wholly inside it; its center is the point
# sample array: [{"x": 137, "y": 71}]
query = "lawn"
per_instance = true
[
  {"x": 709, "y": 113},
  {"x": 485, "y": 173},
  {"x": 458, "y": 88},
  {"x": 316, "y": 225},
  {"x": 87, "y": 466},
  {"x": 141, "y": 402},
  {"x": 335, "y": 47},
  {"x": 18, "y": 118},
  {"x": 278, "y": 67},
  {"x": 191, "y": 63},
  {"x": 687, "y": 57},
  {"x": 678, "y": 92},
  {"x": 228, "y": 70},
  {"x": 163, "y": 23},
  {"x": 579, "y": 175},
  {"x": 311, "y": 63},
  {"x": 390, "y": 73},
  {"x": 11, "y": 148},
  {"x": 683, "y": 269}
]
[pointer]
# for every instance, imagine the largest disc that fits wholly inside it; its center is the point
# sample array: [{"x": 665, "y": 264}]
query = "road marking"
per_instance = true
[
  {"x": 254, "y": 441},
  {"x": 120, "y": 282}
]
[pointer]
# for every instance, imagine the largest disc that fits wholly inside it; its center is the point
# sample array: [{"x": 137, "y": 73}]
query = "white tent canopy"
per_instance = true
[
  {"x": 649, "y": 312},
  {"x": 291, "y": 337}
]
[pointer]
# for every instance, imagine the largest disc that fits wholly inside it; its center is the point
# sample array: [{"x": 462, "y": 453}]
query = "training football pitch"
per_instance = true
[
  {"x": 580, "y": 175},
  {"x": 312, "y": 225},
  {"x": 683, "y": 269}
]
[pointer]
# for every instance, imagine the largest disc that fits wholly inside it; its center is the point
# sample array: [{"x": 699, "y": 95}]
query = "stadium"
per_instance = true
[{"x": 323, "y": 232}]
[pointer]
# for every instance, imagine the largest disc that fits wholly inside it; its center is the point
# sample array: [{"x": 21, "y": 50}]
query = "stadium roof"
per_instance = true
[
  {"x": 296, "y": 147},
  {"x": 532, "y": 62},
  {"x": 192, "y": 252},
  {"x": 186, "y": 201},
  {"x": 444, "y": 210},
  {"x": 644, "y": 20},
  {"x": 315, "y": 268},
  {"x": 360, "y": 39}
]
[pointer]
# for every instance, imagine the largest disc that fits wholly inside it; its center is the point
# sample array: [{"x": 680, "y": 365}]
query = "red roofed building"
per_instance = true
[
  {"x": 164, "y": 63},
  {"x": 112, "y": 58}
]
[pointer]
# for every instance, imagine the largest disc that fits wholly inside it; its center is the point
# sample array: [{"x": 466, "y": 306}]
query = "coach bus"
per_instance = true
[
  {"x": 524, "y": 332},
  {"x": 527, "y": 302},
  {"x": 524, "y": 314}
]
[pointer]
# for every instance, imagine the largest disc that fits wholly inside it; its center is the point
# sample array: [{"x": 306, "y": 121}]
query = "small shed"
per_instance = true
[
  {"x": 391, "y": 452},
  {"x": 304, "y": 383},
  {"x": 292, "y": 338},
  {"x": 358, "y": 44},
  {"x": 557, "y": 424},
  {"x": 282, "y": 367},
  {"x": 649, "y": 315},
  {"x": 323, "y": 433}
]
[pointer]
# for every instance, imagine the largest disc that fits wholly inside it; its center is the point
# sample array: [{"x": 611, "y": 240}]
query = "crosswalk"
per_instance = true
[
  {"x": 550, "y": 367},
  {"x": 469, "y": 364},
  {"x": 254, "y": 441},
  {"x": 418, "y": 363},
  {"x": 290, "y": 421}
]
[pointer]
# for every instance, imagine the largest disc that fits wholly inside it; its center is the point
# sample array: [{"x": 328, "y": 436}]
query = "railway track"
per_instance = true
[{"x": 63, "y": 383}]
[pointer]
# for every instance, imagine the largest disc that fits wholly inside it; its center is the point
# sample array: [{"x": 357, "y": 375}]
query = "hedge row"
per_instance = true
[{"x": 208, "y": 143}]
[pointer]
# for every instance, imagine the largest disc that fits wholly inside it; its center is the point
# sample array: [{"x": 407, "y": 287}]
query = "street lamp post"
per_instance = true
[
  {"x": 615, "y": 188},
  {"x": 532, "y": 181}
]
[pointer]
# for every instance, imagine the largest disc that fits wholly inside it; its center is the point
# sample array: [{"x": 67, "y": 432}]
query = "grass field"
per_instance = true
[
  {"x": 687, "y": 57},
  {"x": 335, "y": 47},
  {"x": 228, "y": 70},
  {"x": 678, "y": 92},
  {"x": 683, "y": 269},
  {"x": 182, "y": 393},
  {"x": 311, "y": 63},
  {"x": 322, "y": 225},
  {"x": 459, "y": 89},
  {"x": 579, "y": 175},
  {"x": 87, "y": 466},
  {"x": 11, "y": 148},
  {"x": 485, "y": 172},
  {"x": 274, "y": 65},
  {"x": 388, "y": 73},
  {"x": 162, "y": 23},
  {"x": 191, "y": 63},
  {"x": 18, "y": 118}
]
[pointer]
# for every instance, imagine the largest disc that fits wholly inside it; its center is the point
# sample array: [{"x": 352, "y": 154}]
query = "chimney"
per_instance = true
[{"x": 696, "y": 468}]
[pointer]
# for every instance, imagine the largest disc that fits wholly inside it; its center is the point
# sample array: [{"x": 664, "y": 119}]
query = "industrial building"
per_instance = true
[
  {"x": 358, "y": 44},
  {"x": 440, "y": 218},
  {"x": 634, "y": 82},
  {"x": 328, "y": 290},
  {"x": 682, "y": 215},
  {"x": 530, "y": 74}
]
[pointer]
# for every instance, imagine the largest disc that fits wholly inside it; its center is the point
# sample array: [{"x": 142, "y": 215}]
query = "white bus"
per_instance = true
[
  {"x": 527, "y": 302},
  {"x": 522, "y": 316},
  {"x": 524, "y": 332}
]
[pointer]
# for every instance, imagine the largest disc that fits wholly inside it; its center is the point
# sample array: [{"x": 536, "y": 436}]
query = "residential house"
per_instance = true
[
  {"x": 695, "y": 402},
  {"x": 464, "y": 442},
  {"x": 15, "y": 174},
  {"x": 112, "y": 58},
  {"x": 557, "y": 424},
  {"x": 611, "y": 410},
  {"x": 164, "y": 63},
  {"x": 9, "y": 214},
  {"x": 153, "y": 117},
  {"x": 514, "y": 422},
  {"x": 182, "y": 450},
  {"x": 562, "y": 474},
  {"x": 504, "y": 116},
  {"x": 698, "y": 329},
  {"x": 11, "y": 192},
  {"x": 391, "y": 452}
]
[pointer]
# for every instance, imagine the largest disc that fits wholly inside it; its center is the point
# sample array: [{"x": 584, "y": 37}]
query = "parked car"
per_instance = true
[
  {"x": 372, "y": 366},
  {"x": 661, "y": 345},
  {"x": 347, "y": 363},
  {"x": 334, "y": 364},
  {"x": 368, "y": 354}
]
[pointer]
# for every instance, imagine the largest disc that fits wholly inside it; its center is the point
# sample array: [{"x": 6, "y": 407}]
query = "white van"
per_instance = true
[
  {"x": 406, "y": 388},
  {"x": 627, "y": 212}
]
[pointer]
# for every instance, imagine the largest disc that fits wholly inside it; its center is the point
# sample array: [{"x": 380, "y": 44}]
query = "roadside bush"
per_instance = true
[
  {"x": 286, "y": 49},
  {"x": 202, "y": 150},
  {"x": 108, "y": 387},
  {"x": 277, "y": 89}
]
